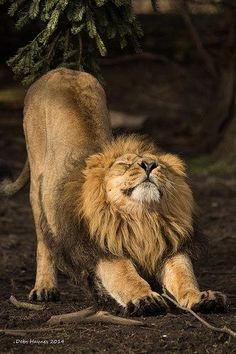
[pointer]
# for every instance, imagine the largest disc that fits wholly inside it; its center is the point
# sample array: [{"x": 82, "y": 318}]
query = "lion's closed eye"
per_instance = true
[{"x": 123, "y": 164}]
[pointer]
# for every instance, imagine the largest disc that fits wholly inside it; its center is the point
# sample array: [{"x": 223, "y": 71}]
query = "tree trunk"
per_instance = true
[
  {"x": 227, "y": 147},
  {"x": 220, "y": 110}
]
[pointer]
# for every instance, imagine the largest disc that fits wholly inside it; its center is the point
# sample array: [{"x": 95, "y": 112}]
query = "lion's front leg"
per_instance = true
[
  {"x": 179, "y": 279},
  {"x": 121, "y": 281}
]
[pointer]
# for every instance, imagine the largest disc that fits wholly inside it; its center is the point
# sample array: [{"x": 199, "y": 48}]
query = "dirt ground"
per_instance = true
[{"x": 151, "y": 97}]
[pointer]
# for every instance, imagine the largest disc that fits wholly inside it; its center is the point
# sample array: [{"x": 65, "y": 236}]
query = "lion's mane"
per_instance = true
[
  {"x": 144, "y": 235},
  {"x": 89, "y": 227}
]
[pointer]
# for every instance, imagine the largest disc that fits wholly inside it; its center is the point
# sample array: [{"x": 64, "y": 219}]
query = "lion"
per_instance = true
[{"x": 119, "y": 209}]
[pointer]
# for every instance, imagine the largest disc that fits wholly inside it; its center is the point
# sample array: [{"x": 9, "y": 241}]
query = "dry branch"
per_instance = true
[
  {"x": 77, "y": 316},
  {"x": 24, "y": 332},
  {"x": 89, "y": 315},
  {"x": 25, "y": 305},
  {"x": 106, "y": 317},
  {"x": 84, "y": 316},
  {"x": 223, "y": 329}
]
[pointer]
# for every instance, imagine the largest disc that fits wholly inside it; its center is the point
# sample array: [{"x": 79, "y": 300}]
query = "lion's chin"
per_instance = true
[{"x": 147, "y": 192}]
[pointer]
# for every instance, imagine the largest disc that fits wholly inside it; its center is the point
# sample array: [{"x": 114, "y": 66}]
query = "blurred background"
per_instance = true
[{"x": 180, "y": 91}]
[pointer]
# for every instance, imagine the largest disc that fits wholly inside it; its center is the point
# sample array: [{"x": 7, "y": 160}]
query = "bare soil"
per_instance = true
[{"x": 175, "y": 332}]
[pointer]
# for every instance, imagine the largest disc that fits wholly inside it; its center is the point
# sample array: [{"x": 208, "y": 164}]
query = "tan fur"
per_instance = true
[
  {"x": 114, "y": 226},
  {"x": 120, "y": 209},
  {"x": 115, "y": 273},
  {"x": 45, "y": 276},
  {"x": 9, "y": 188},
  {"x": 62, "y": 116},
  {"x": 178, "y": 278}
]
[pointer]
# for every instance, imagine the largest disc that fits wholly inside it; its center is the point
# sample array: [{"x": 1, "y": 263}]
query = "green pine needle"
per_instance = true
[{"x": 73, "y": 34}]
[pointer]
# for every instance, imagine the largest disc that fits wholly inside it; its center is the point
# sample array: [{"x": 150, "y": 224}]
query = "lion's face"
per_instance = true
[
  {"x": 136, "y": 179},
  {"x": 131, "y": 175}
]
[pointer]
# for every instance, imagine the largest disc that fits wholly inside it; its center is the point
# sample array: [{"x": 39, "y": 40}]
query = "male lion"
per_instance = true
[{"x": 119, "y": 209}]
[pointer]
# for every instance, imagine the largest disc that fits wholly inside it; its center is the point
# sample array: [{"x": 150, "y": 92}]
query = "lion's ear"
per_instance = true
[
  {"x": 174, "y": 163},
  {"x": 95, "y": 161}
]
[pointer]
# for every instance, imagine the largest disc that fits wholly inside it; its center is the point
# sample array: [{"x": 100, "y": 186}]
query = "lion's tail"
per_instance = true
[{"x": 9, "y": 188}]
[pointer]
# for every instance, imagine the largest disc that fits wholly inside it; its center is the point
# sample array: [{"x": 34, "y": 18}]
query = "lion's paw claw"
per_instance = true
[
  {"x": 211, "y": 301},
  {"x": 44, "y": 294},
  {"x": 149, "y": 305}
]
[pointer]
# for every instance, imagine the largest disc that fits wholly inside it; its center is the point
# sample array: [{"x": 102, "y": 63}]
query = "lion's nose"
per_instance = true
[{"x": 148, "y": 166}]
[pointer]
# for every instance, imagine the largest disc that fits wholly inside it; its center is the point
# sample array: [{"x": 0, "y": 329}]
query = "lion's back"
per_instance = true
[
  {"x": 64, "y": 88},
  {"x": 65, "y": 111}
]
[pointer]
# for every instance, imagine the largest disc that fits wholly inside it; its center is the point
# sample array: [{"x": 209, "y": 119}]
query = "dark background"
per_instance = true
[{"x": 171, "y": 94}]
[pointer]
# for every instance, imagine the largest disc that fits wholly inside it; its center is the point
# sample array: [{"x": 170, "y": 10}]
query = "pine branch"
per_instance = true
[{"x": 67, "y": 27}]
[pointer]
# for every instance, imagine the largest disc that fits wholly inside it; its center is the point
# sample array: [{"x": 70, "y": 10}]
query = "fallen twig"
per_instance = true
[
  {"x": 77, "y": 316},
  {"x": 25, "y": 305},
  {"x": 90, "y": 315},
  {"x": 23, "y": 332},
  {"x": 223, "y": 329},
  {"x": 106, "y": 317},
  {"x": 87, "y": 315}
]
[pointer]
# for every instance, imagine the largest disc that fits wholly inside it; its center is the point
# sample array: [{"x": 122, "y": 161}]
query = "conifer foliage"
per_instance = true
[{"x": 74, "y": 33}]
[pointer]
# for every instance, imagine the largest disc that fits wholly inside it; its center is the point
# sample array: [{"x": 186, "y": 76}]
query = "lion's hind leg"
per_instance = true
[
  {"x": 119, "y": 279},
  {"x": 179, "y": 279},
  {"x": 45, "y": 288}
]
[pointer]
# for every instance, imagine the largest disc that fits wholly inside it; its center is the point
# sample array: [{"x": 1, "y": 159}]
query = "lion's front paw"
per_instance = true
[
  {"x": 44, "y": 294},
  {"x": 149, "y": 305},
  {"x": 211, "y": 301}
]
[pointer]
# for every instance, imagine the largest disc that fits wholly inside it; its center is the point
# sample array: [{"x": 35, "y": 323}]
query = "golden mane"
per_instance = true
[{"x": 146, "y": 235}]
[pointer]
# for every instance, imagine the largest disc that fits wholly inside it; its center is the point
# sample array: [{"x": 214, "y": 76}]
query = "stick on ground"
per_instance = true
[
  {"x": 223, "y": 329},
  {"x": 25, "y": 305},
  {"x": 90, "y": 315},
  {"x": 24, "y": 332}
]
